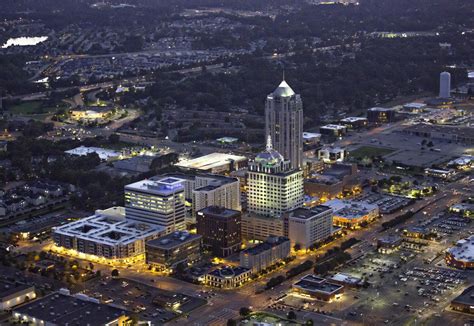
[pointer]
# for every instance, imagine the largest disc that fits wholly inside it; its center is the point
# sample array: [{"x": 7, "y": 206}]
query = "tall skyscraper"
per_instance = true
[
  {"x": 284, "y": 123},
  {"x": 274, "y": 186},
  {"x": 157, "y": 202},
  {"x": 445, "y": 85}
]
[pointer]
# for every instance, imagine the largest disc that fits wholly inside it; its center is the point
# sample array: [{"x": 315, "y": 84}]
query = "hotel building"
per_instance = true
[{"x": 159, "y": 202}]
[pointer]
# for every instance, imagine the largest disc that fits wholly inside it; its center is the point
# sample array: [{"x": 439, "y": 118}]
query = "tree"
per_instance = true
[
  {"x": 297, "y": 247},
  {"x": 114, "y": 138},
  {"x": 291, "y": 315},
  {"x": 430, "y": 144},
  {"x": 115, "y": 273},
  {"x": 309, "y": 322},
  {"x": 245, "y": 311}
]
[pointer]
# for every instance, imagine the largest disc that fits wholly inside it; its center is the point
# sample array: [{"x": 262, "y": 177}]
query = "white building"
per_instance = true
[
  {"x": 160, "y": 202},
  {"x": 274, "y": 187},
  {"x": 309, "y": 226},
  {"x": 212, "y": 191},
  {"x": 107, "y": 234},
  {"x": 332, "y": 154},
  {"x": 214, "y": 163},
  {"x": 445, "y": 85},
  {"x": 103, "y": 153},
  {"x": 284, "y": 123}
]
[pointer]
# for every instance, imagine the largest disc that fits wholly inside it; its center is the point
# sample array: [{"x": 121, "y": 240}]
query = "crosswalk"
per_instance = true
[{"x": 219, "y": 318}]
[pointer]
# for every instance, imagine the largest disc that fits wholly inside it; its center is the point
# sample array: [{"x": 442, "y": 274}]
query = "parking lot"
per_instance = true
[
  {"x": 387, "y": 204},
  {"x": 151, "y": 303}
]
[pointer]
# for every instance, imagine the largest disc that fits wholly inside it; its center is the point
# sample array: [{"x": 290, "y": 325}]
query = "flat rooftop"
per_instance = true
[
  {"x": 219, "y": 211},
  {"x": 463, "y": 250},
  {"x": 103, "y": 153},
  {"x": 164, "y": 186},
  {"x": 108, "y": 227},
  {"x": 307, "y": 213},
  {"x": 466, "y": 297},
  {"x": 380, "y": 109},
  {"x": 317, "y": 285},
  {"x": 229, "y": 272},
  {"x": 264, "y": 246},
  {"x": 173, "y": 240},
  {"x": 62, "y": 309},
  {"x": 333, "y": 127},
  {"x": 8, "y": 289},
  {"x": 460, "y": 131},
  {"x": 350, "y": 208},
  {"x": 353, "y": 119},
  {"x": 210, "y": 161}
]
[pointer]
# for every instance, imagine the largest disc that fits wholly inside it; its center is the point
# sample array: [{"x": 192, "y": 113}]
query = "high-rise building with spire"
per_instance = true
[
  {"x": 274, "y": 187},
  {"x": 284, "y": 123}
]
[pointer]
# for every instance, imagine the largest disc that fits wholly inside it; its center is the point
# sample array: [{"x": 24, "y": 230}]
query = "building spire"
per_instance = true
[{"x": 269, "y": 143}]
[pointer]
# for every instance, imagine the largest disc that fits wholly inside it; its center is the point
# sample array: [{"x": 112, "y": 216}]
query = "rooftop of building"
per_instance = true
[
  {"x": 309, "y": 213},
  {"x": 466, "y": 297},
  {"x": 380, "y": 109},
  {"x": 218, "y": 211},
  {"x": 173, "y": 240},
  {"x": 311, "y": 135},
  {"x": 283, "y": 90},
  {"x": 463, "y": 250},
  {"x": 103, "y": 153},
  {"x": 229, "y": 271},
  {"x": 389, "y": 239},
  {"x": 346, "y": 278},
  {"x": 264, "y": 246},
  {"x": 350, "y": 208},
  {"x": 333, "y": 127},
  {"x": 332, "y": 149},
  {"x": 61, "y": 309},
  {"x": 353, "y": 119},
  {"x": 7, "y": 289},
  {"x": 109, "y": 227},
  {"x": 316, "y": 284},
  {"x": 163, "y": 186},
  {"x": 210, "y": 161},
  {"x": 414, "y": 105}
]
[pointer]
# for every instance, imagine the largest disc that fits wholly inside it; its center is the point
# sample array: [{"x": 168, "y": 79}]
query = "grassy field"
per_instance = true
[
  {"x": 369, "y": 151},
  {"x": 33, "y": 107}
]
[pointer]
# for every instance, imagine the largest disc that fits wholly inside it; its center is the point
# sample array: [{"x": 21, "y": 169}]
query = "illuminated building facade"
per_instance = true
[
  {"x": 107, "y": 234},
  {"x": 318, "y": 288},
  {"x": 160, "y": 202},
  {"x": 228, "y": 277},
  {"x": 381, "y": 115},
  {"x": 284, "y": 123},
  {"x": 265, "y": 254},
  {"x": 351, "y": 214},
  {"x": 258, "y": 227},
  {"x": 309, "y": 226},
  {"x": 216, "y": 191},
  {"x": 274, "y": 187},
  {"x": 462, "y": 254},
  {"x": 172, "y": 249},
  {"x": 220, "y": 230}
]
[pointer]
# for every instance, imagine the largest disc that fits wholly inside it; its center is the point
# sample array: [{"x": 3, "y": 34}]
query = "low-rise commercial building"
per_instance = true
[
  {"x": 228, "y": 277},
  {"x": 379, "y": 115},
  {"x": 172, "y": 249},
  {"x": 332, "y": 154},
  {"x": 333, "y": 131},
  {"x": 346, "y": 280},
  {"x": 462, "y": 254},
  {"x": 60, "y": 308},
  {"x": 388, "y": 244},
  {"x": 14, "y": 294},
  {"x": 464, "y": 209},
  {"x": 355, "y": 122},
  {"x": 220, "y": 229},
  {"x": 214, "y": 163},
  {"x": 318, "y": 288},
  {"x": 351, "y": 214},
  {"x": 265, "y": 254},
  {"x": 465, "y": 301},
  {"x": 309, "y": 226}
]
